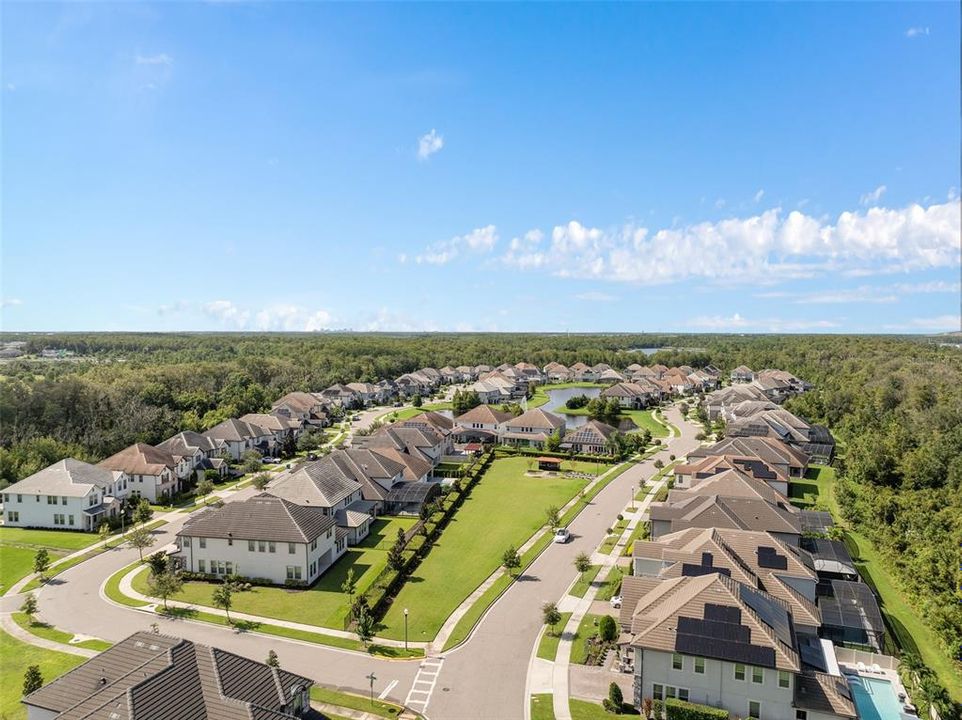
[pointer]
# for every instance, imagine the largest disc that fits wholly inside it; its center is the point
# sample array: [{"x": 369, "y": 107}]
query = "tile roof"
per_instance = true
[
  {"x": 729, "y": 483},
  {"x": 300, "y": 402},
  {"x": 146, "y": 675},
  {"x": 234, "y": 430},
  {"x": 593, "y": 432},
  {"x": 483, "y": 414},
  {"x": 536, "y": 418},
  {"x": 319, "y": 483},
  {"x": 69, "y": 477},
  {"x": 824, "y": 693},
  {"x": 187, "y": 442},
  {"x": 140, "y": 459},
  {"x": 262, "y": 517},
  {"x": 728, "y": 512}
]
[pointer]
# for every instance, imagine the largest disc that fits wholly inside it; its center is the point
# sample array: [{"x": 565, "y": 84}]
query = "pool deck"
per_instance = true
[{"x": 885, "y": 674}]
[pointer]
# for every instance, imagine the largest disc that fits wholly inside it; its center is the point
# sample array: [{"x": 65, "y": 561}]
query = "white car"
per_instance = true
[
  {"x": 561, "y": 535},
  {"x": 616, "y": 601}
]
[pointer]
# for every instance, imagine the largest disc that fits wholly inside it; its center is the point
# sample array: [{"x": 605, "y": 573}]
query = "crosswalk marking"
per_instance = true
[{"x": 427, "y": 676}]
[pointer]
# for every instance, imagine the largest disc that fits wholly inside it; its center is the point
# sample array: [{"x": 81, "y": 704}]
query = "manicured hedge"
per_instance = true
[{"x": 680, "y": 710}]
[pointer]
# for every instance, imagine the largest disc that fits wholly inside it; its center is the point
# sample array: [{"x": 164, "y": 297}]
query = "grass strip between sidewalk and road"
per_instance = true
[
  {"x": 48, "y": 632},
  {"x": 542, "y": 706},
  {"x": 380, "y": 708},
  {"x": 584, "y": 581},
  {"x": 548, "y": 645}
]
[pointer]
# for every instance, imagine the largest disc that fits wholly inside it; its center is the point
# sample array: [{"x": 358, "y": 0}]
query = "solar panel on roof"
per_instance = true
[
  {"x": 768, "y": 557},
  {"x": 771, "y": 613},
  {"x": 725, "y": 650},
  {"x": 722, "y": 613}
]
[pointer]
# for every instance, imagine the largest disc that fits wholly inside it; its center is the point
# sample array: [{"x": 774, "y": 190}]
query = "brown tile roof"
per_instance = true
[
  {"x": 146, "y": 675},
  {"x": 593, "y": 432},
  {"x": 824, "y": 693},
  {"x": 728, "y": 512},
  {"x": 729, "y": 483},
  {"x": 482, "y": 414},
  {"x": 262, "y": 517},
  {"x": 536, "y": 418},
  {"x": 140, "y": 459},
  {"x": 430, "y": 419},
  {"x": 300, "y": 402}
]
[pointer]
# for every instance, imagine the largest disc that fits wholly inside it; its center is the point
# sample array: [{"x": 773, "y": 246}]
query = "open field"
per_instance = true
[
  {"x": 459, "y": 561},
  {"x": 14, "y": 661},
  {"x": 324, "y": 603},
  {"x": 19, "y": 545}
]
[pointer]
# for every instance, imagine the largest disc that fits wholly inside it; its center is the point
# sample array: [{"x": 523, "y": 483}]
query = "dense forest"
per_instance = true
[{"x": 894, "y": 404}]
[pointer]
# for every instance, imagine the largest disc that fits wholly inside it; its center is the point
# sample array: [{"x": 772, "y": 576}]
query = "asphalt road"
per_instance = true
[{"x": 485, "y": 677}]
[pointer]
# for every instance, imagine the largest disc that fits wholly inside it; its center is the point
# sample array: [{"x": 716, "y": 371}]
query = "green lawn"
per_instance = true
[
  {"x": 815, "y": 489},
  {"x": 584, "y": 581},
  {"x": 548, "y": 646},
  {"x": 324, "y": 603},
  {"x": 505, "y": 508},
  {"x": 355, "y": 702},
  {"x": 542, "y": 707},
  {"x": 15, "y": 658},
  {"x": 588, "y": 628},
  {"x": 584, "y": 710},
  {"x": 612, "y": 538},
  {"x": 612, "y": 584},
  {"x": 19, "y": 545},
  {"x": 48, "y": 632}
]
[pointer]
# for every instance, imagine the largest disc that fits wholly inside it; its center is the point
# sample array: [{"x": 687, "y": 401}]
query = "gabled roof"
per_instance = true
[
  {"x": 482, "y": 414},
  {"x": 273, "y": 423},
  {"x": 770, "y": 450},
  {"x": 234, "y": 430},
  {"x": 416, "y": 466},
  {"x": 711, "y": 616},
  {"x": 262, "y": 517},
  {"x": 146, "y": 675},
  {"x": 320, "y": 483},
  {"x": 729, "y": 483},
  {"x": 140, "y": 459},
  {"x": 69, "y": 477},
  {"x": 187, "y": 443},
  {"x": 593, "y": 432},
  {"x": 728, "y": 512},
  {"x": 824, "y": 693},
  {"x": 431, "y": 420},
  {"x": 300, "y": 402},
  {"x": 536, "y": 418}
]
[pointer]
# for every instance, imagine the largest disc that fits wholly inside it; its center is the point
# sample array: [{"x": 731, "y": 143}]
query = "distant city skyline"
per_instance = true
[{"x": 583, "y": 168}]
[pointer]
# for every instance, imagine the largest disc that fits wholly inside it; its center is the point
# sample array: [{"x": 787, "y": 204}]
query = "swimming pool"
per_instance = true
[{"x": 875, "y": 699}]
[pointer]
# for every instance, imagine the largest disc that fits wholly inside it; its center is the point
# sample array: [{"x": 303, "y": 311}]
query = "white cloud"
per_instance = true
[
  {"x": 736, "y": 322},
  {"x": 767, "y": 247},
  {"x": 478, "y": 241},
  {"x": 718, "y": 322},
  {"x": 941, "y": 323},
  {"x": 10, "y": 302},
  {"x": 720, "y": 203},
  {"x": 392, "y": 321},
  {"x": 758, "y": 196},
  {"x": 429, "y": 143},
  {"x": 917, "y": 31},
  {"x": 158, "y": 59},
  {"x": 277, "y": 317},
  {"x": 854, "y": 295},
  {"x": 595, "y": 296},
  {"x": 933, "y": 286},
  {"x": 874, "y": 196}
]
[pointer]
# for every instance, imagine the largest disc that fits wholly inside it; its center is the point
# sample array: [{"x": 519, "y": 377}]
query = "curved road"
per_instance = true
[{"x": 483, "y": 678}]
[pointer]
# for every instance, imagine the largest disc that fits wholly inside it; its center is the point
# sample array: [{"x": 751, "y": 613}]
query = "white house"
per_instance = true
[
  {"x": 482, "y": 423},
  {"x": 68, "y": 495},
  {"x": 193, "y": 453},
  {"x": 237, "y": 437},
  {"x": 152, "y": 473},
  {"x": 532, "y": 428},
  {"x": 262, "y": 537}
]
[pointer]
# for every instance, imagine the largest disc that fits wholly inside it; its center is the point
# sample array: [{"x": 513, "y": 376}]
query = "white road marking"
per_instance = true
[
  {"x": 427, "y": 675},
  {"x": 386, "y": 690}
]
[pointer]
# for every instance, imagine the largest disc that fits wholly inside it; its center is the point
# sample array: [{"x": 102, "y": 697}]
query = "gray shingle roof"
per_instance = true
[
  {"x": 68, "y": 477},
  {"x": 262, "y": 517},
  {"x": 321, "y": 483}
]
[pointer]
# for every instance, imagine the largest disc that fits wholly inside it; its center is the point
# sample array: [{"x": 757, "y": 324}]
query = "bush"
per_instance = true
[
  {"x": 607, "y": 628},
  {"x": 680, "y": 710}
]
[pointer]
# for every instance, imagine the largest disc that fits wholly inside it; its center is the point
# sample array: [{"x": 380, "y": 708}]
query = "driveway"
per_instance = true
[{"x": 485, "y": 677}]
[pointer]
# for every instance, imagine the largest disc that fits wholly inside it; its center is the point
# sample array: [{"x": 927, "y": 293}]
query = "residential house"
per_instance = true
[
  {"x": 325, "y": 484},
  {"x": 450, "y": 375},
  {"x": 629, "y": 395},
  {"x": 421, "y": 442},
  {"x": 480, "y": 424},
  {"x": 742, "y": 374},
  {"x": 467, "y": 373},
  {"x": 411, "y": 384},
  {"x": 149, "y": 675},
  {"x": 757, "y": 559},
  {"x": 754, "y": 418},
  {"x": 432, "y": 420},
  {"x": 495, "y": 389},
  {"x": 236, "y": 437},
  {"x": 386, "y": 391},
  {"x": 712, "y": 640},
  {"x": 784, "y": 458},
  {"x": 582, "y": 373},
  {"x": 340, "y": 394},
  {"x": 531, "y": 373},
  {"x": 194, "y": 454},
  {"x": 557, "y": 373},
  {"x": 68, "y": 495},
  {"x": 151, "y": 473},
  {"x": 737, "y": 513},
  {"x": 633, "y": 368},
  {"x": 382, "y": 475},
  {"x": 261, "y": 537},
  {"x": 679, "y": 382},
  {"x": 366, "y": 393},
  {"x": 281, "y": 430},
  {"x": 717, "y": 401},
  {"x": 305, "y": 407},
  {"x": 610, "y": 376},
  {"x": 598, "y": 368},
  {"x": 659, "y": 370},
  {"x": 432, "y": 375},
  {"x": 690, "y": 474},
  {"x": 592, "y": 437},
  {"x": 532, "y": 428}
]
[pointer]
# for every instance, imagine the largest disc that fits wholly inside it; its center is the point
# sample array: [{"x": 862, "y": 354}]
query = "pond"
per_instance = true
[{"x": 558, "y": 398}]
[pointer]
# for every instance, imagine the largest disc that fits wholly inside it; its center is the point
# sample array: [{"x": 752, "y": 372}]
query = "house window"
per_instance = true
[
  {"x": 271, "y": 547},
  {"x": 677, "y": 662},
  {"x": 63, "y": 499},
  {"x": 758, "y": 675},
  {"x": 230, "y": 542},
  {"x": 683, "y": 694},
  {"x": 230, "y": 567},
  {"x": 70, "y": 518},
  {"x": 250, "y": 546},
  {"x": 670, "y": 691},
  {"x": 801, "y": 715},
  {"x": 784, "y": 679},
  {"x": 700, "y": 665},
  {"x": 314, "y": 543},
  {"x": 293, "y": 572},
  {"x": 657, "y": 692},
  {"x": 739, "y": 671},
  {"x": 290, "y": 548},
  {"x": 51, "y": 499},
  {"x": 13, "y": 516},
  {"x": 201, "y": 566},
  {"x": 261, "y": 545},
  {"x": 754, "y": 709},
  {"x": 203, "y": 542},
  {"x": 19, "y": 498},
  {"x": 6, "y": 497},
  {"x": 186, "y": 541}
]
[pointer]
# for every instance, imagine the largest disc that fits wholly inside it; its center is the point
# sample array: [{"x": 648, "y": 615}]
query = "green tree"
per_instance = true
[
  {"x": 511, "y": 560},
  {"x": 552, "y": 516},
  {"x": 349, "y": 586},
  {"x": 140, "y": 538},
  {"x": 251, "y": 461},
  {"x": 143, "y": 512},
  {"x": 272, "y": 659},
  {"x": 29, "y": 606},
  {"x": 41, "y": 563},
  {"x": 395, "y": 556},
  {"x": 607, "y": 628},
  {"x": 158, "y": 563},
  {"x": 417, "y": 401},
  {"x": 32, "y": 679},
  {"x": 364, "y": 626},
  {"x": 615, "y": 700},
  {"x": 104, "y": 532},
  {"x": 553, "y": 443},
  {"x": 261, "y": 481},
  {"x": 582, "y": 564},
  {"x": 223, "y": 597},
  {"x": 165, "y": 584},
  {"x": 551, "y": 616},
  {"x": 204, "y": 487}
]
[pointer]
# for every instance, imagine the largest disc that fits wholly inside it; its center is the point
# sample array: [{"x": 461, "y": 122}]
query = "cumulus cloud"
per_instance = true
[
  {"x": 277, "y": 317},
  {"x": 429, "y": 144},
  {"x": 917, "y": 31},
  {"x": 158, "y": 59},
  {"x": 767, "y": 247},
  {"x": 478, "y": 241},
  {"x": 874, "y": 196}
]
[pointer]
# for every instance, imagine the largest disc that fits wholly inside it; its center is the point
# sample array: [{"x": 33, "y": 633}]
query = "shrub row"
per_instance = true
[{"x": 680, "y": 710}]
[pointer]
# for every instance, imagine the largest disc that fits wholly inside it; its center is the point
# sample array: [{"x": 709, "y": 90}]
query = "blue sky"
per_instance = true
[{"x": 669, "y": 167}]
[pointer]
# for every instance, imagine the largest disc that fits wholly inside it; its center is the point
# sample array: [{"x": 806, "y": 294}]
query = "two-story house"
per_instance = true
[
  {"x": 68, "y": 495},
  {"x": 194, "y": 454},
  {"x": 480, "y": 424},
  {"x": 151, "y": 473},
  {"x": 262, "y": 537},
  {"x": 236, "y": 437},
  {"x": 532, "y": 428}
]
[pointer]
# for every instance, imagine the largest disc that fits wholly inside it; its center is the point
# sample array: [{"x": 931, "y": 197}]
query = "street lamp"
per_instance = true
[
  {"x": 405, "y": 629},
  {"x": 372, "y": 678}
]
